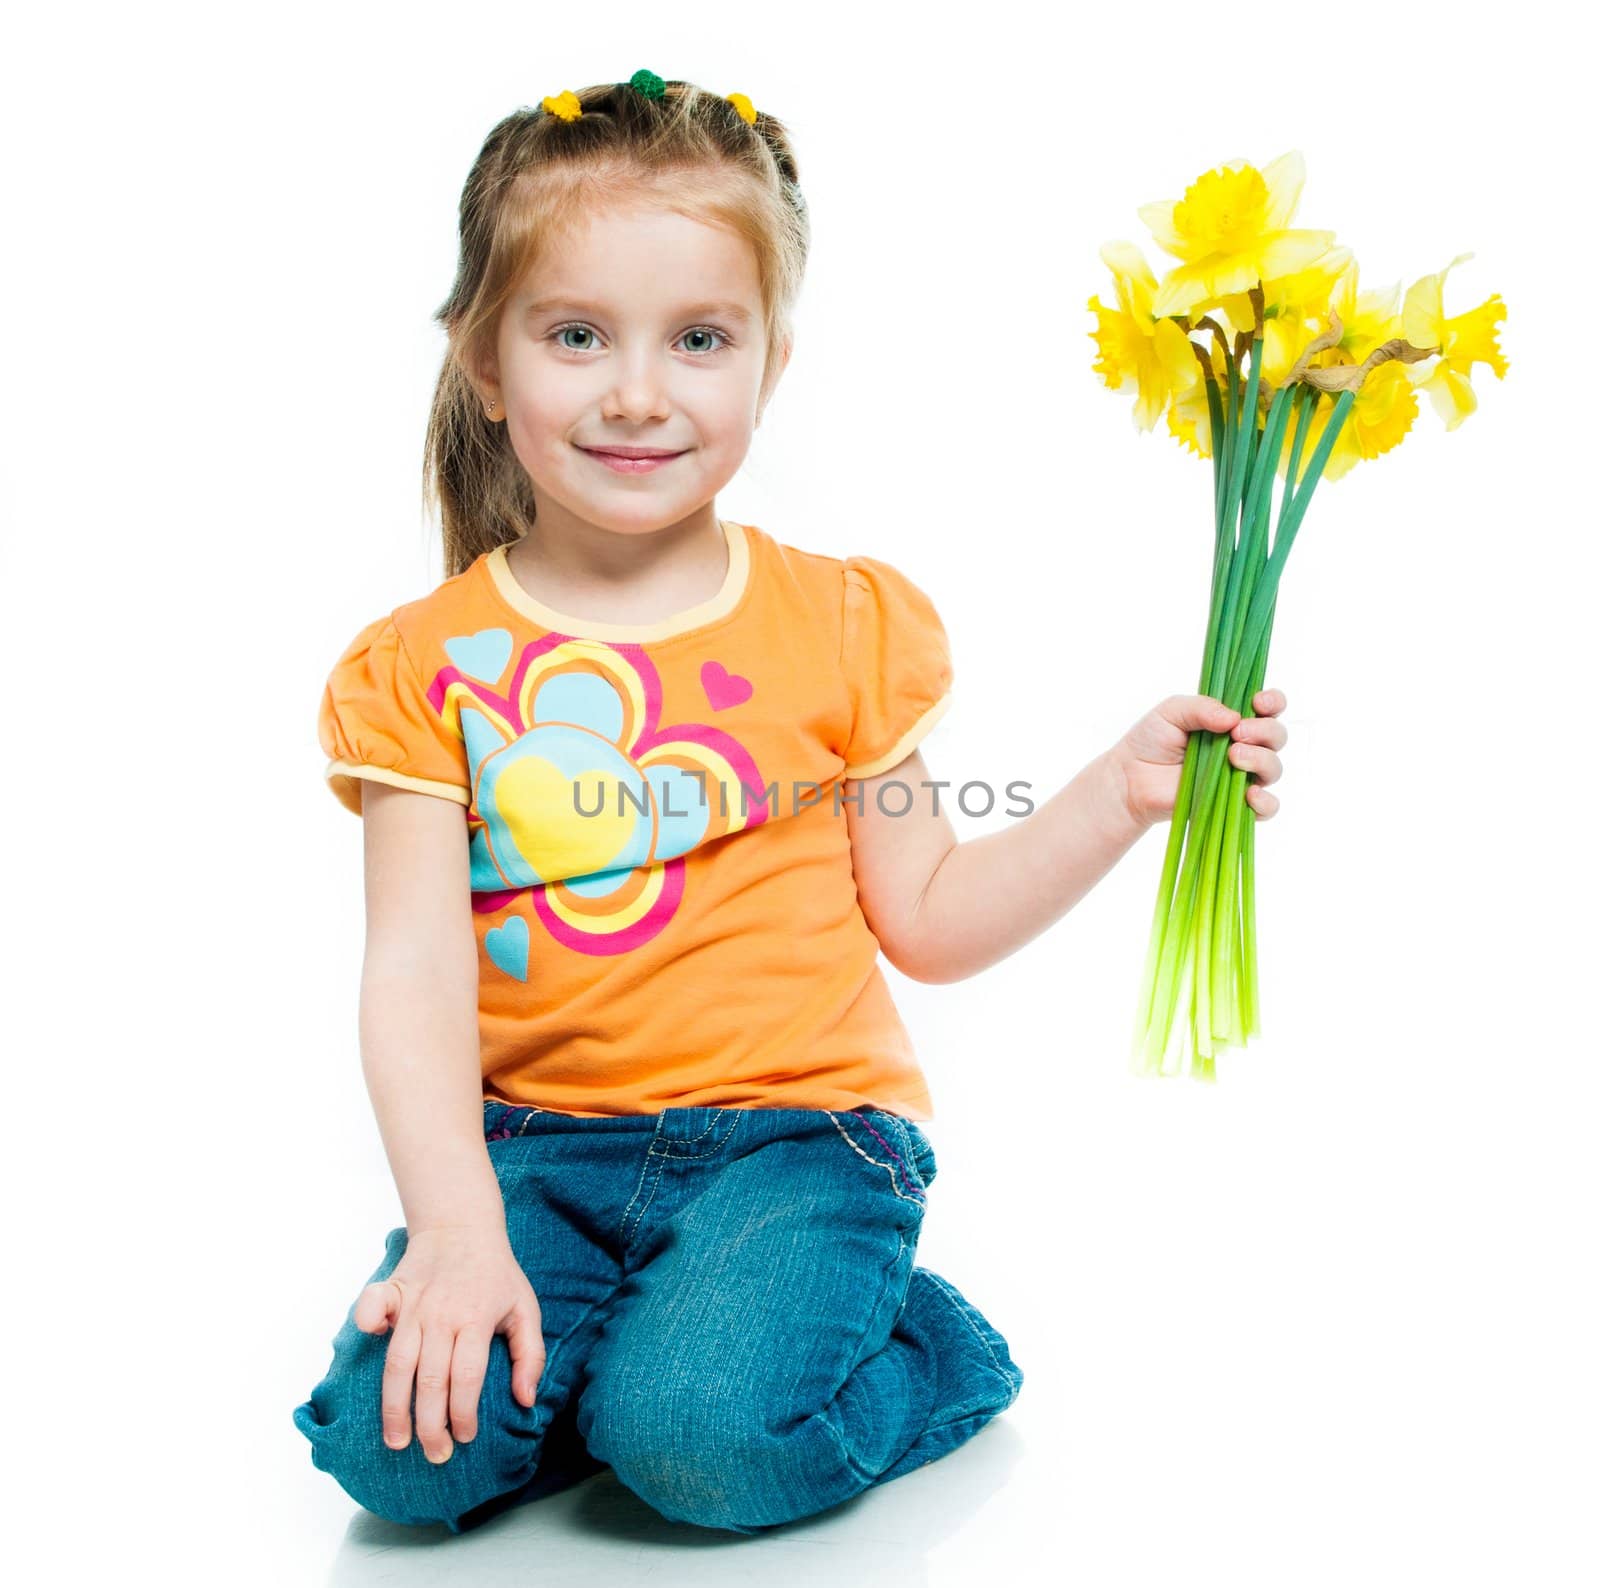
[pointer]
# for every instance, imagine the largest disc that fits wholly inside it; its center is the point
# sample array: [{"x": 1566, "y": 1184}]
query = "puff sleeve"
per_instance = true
[
  {"x": 376, "y": 723},
  {"x": 896, "y": 662}
]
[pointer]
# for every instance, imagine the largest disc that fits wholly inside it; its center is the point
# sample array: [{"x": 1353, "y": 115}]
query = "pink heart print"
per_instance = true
[{"x": 724, "y": 689}]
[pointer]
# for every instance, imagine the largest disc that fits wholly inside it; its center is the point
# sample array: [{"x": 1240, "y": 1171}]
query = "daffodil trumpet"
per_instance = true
[{"x": 1235, "y": 348}]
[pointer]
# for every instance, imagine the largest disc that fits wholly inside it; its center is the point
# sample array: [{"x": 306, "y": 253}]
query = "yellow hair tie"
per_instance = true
[{"x": 567, "y": 106}]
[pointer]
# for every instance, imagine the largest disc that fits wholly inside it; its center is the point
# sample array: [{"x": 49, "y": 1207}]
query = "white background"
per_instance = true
[{"x": 1325, "y": 1321}]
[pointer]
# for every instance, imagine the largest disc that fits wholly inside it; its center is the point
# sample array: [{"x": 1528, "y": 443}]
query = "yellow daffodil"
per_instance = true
[
  {"x": 1292, "y": 304},
  {"x": 1231, "y": 230},
  {"x": 1290, "y": 301},
  {"x": 1463, "y": 341},
  {"x": 1384, "y": 409},
  {"x": 1189, "y": 419},
  {"x": 1260, "y": 330},
  {"x": 1152, "y": 355}
]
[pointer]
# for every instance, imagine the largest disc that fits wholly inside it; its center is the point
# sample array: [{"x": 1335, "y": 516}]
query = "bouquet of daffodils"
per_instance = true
[{"x": 1257, "y": 337}]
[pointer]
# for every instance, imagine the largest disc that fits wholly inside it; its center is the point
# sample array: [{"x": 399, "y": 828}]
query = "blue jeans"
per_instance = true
[{"x": 732, "y": 1323}]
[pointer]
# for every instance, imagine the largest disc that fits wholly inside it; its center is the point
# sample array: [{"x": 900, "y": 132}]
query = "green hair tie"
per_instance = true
[{"x": 648, "y": 84}]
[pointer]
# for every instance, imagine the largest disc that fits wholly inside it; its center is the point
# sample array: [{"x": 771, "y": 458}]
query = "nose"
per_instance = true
[{"x": 640, "y": 390}]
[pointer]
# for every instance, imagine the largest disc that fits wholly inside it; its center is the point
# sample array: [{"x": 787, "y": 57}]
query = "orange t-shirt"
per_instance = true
[{"x": 665, "y": 908}]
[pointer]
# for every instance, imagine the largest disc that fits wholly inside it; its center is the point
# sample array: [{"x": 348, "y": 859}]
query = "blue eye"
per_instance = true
[
  {"x": 578, "y": 325},
  {"x": 707, "y": 330}
]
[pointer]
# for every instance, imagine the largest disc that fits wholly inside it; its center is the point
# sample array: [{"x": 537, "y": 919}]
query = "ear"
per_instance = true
[
  {"x": 483, "y": 375},
  {"x": 488, "y": 384}
]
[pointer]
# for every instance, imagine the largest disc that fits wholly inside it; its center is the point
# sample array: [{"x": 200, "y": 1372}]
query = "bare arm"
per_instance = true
[
  {"x": 943, "y": 910},
  {"x": 419, "y": 1009},
  {"x": 459, "y": 1282}
]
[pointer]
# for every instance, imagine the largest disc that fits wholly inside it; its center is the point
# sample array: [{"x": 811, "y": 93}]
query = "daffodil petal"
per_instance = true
[
  {"x": 1158, "y": 217},
  {"x": 1452, "y": 394},
  {"x": 1284, "y": 178},
  {"x": 1175, "y": 352},
  {"x": 1212, "y": 277},
  {"x": 1422, "y": 319},
  {"x": 1287, "y": 253},
  {"x": 1127, "y": 259}
]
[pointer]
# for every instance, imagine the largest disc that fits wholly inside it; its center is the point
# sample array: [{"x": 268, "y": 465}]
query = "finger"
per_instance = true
[
  {"x": 433, "y": 1386},
  {"x": 1190, "y": 712},
  {"x": 526, "y": 1343},
  {"x": 1258, "y": 759},
  {"x": 1262, "y": 802},
  {"x": 468, "y": 1366},
  {"x": 377, "y": 1306},
  {"x": 400, "y": 1363},
  {"x": 1269, "y": 702},
  {"x": 1261, "y": 730}
]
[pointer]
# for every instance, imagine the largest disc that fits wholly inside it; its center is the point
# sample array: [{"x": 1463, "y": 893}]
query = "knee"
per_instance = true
[
  {"x": 703, "y": 1462},
  {"x": 342, "y": 1419}
]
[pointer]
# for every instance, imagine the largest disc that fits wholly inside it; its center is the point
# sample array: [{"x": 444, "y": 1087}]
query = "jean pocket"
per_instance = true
[
  {"x": 897, "y": 1151},
  {"x": 922, "y": 1155}
]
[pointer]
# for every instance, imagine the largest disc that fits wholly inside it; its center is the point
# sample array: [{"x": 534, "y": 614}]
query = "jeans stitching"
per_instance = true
[
  {"x": 629, "y": 1217},
  {"x": 908, "y": 1174},
  {"x": 664, "y": 1148},
  {"x": 660, "y": 1149},
  {"x": 502, "y": 1130},
  {"x": 915, "y": 1195},
  {"x": 910, "y": 1163}
]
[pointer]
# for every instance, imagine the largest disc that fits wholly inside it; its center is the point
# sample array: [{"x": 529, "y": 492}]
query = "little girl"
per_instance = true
[{"x": 642, "y": 801}]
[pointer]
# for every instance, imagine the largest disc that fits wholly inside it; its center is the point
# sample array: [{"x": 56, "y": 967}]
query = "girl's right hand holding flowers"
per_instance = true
[{"x": 456, "y": 1287}]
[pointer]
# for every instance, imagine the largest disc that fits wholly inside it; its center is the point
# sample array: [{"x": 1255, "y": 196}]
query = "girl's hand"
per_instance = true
[
  {"x": 456, "y": 1288},
  {"x": 1149, "y": 756}
]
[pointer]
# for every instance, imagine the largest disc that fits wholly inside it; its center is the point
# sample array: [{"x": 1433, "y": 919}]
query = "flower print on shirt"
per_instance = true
[{"x": 580, "y": 797}]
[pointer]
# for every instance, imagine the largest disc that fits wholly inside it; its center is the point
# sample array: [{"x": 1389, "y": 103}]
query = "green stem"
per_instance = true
[
  {"x": 1306, "y": 398},
  {"x": 1224, "y": 882},
  {"x": 1258, "y": 508},
  {"x": 1212, "y": 757},
  {"x": 1236, "y": 812},
  {"x": 1248, "y": 990},
  {"x": 1249, "y": 987},
  {"x": 1234, "y": 1036},
  {"x": 1250, "y": 1013},
  {"x": 1218, "y": 901},
  {"x": 1223, "y": 419},
  {"x": 1267, "y": 588}
]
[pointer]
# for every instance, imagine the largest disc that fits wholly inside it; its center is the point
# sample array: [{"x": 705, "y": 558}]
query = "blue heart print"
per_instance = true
[
  {"x": 507, "y": 946},
  {"x": 484, "y": 654}
]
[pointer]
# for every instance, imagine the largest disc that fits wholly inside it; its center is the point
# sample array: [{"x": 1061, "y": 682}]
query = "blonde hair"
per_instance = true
[{"x": 690, "y": 151}]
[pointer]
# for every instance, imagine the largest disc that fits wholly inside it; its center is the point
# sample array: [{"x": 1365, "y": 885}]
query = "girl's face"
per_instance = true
[{"x": 644, "y": 329}]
